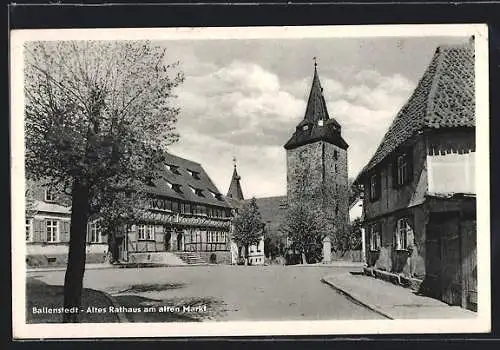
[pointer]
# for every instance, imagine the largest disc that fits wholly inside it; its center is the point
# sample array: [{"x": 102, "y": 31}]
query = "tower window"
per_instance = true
[{"x": 335, "y": 155}]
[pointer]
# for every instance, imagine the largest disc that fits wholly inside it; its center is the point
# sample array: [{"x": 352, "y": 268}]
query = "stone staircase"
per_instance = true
[{"x": 191, "y": 258}]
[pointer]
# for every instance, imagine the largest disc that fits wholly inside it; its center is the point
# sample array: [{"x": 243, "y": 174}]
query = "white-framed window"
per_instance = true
[
  {"x": 320, "y": 122},
  {"x": 375, "y": 241},
  {"x": 29, "y": 229},
  {"x": 95, "y": 232},
  {"x": 403, "y": 229},
  {"x": 146, "y": 232},
  {"x": 305, "y": 127},
  {"x": 52, "y": 230},
  {"x": 49, "y": 195}
]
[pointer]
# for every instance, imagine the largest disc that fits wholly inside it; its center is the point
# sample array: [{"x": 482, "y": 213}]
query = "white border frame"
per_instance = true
[{"x": 482, "y": 323}]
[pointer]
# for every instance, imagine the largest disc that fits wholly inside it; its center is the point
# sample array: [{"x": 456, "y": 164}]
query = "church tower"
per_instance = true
[{"x": 317, "y": 158}]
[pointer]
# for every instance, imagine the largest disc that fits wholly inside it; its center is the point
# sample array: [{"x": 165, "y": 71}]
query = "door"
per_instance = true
[
  {"x": 180, "y": 242},
  {"x": 469, "y": 264},
  {"x": 451, "y": 269},
  {"x": 167, "y": 240}
]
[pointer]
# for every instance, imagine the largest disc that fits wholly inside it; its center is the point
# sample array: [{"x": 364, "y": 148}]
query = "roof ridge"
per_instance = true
[
  {"x": 432, "y": 92},
  {"x": 188, "y": 160}
]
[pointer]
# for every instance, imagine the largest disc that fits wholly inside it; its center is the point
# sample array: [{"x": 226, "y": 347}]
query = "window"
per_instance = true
[
  {"x": 29, "y": 230},
  {"x": 402, "y": 172},
  {"x": 194, "y": 174},
  {"x": 305, "y": 127},
  {"x": 174, "y": 169},
  {"x": 146, "y": 233},
  {"x": 95, "y": 233},
  {"x": 336, "y": 168},
  {"x": 374, "y": 187},
  {"x": 320, "y": 122},
  {"x": 52, "y": 229},
  {"x": 335, "y": 155},
  {"x": 403, "y": 229},
  {"x": 375, "y": 242},
  {"x": 49, "y": 196}
]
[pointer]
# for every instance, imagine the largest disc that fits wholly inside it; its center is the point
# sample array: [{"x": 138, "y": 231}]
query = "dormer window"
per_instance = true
[
  {"x": 175, "y": 187},
  {"x": 49, "y": 196},
  {"x": 197, "y": 191},
  {"x": 194, "y": 174},
  {"x": 174, "y": 169}
]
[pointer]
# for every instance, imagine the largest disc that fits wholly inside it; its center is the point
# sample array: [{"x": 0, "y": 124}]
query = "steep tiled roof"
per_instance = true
[
  {"x": 319, "y": 125},
  {"x": 186, "y": 180},
  {"x": 443, "y": 98}
]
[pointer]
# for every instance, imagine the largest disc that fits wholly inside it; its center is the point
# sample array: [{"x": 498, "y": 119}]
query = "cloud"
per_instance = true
[
  {"x": 244, "y": 110},
  {"x": 241, "y": 103}
]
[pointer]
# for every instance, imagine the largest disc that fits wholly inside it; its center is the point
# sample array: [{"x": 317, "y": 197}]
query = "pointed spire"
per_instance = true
[
  {"x": 317, "y": 124},
  {"x": 316, "y": 106},
  {"x": 235, "y": 191}
]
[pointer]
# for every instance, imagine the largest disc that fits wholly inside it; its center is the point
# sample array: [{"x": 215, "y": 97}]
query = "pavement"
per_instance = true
[{"x": 392, "y": 301}]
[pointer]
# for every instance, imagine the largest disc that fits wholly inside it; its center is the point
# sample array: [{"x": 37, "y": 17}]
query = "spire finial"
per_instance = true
[
  {"x": 234, "y": 161},
  {"x": 315, "y": 59}
]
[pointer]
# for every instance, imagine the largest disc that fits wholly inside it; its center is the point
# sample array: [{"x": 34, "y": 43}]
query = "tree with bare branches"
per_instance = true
[{"x": 98, "y": 117}]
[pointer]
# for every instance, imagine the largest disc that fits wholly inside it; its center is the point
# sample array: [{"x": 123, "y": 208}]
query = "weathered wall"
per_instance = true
[
  {"x": 391, "y": 198},
  {"x": 451, "y": 163},
  {"x": 319, "y": 158},
  {"x": 410, "y": 262}
]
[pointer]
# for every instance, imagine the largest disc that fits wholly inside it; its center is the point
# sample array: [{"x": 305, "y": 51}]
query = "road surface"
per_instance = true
[{"x": 230, "y": 293}]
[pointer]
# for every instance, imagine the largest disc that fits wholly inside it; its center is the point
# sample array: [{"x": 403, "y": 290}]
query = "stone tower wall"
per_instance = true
[{"x": 313, "y": 157}]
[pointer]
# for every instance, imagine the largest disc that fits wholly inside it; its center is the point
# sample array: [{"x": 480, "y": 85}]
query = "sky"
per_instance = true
[{"x": 243, "y": 99}]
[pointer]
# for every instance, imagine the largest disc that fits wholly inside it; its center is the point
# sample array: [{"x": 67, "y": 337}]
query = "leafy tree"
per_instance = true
[
  {"x": 98, "y": 116},
  {"x": 305, "y": 229},
  {"x": 349, "y": 238},
  {"x": 248, "y": 226}
]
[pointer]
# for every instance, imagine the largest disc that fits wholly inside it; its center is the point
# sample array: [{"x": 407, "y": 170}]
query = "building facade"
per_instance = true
[
  {"x": 47, "y": 224},
  {"x": 187, "y": 216},
  {"x": 419, "y": 187},
  {"x": 316, "y": 157}
]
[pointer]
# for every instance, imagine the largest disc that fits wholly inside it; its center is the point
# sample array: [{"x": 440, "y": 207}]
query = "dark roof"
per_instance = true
[
  {"x": 316, "y": 111},
  {"x": 235, "y": 191},
  {"x": 273, "y": 211},
  {"x": 443, "y": 98},
  {"x": 190, "y": 178}
]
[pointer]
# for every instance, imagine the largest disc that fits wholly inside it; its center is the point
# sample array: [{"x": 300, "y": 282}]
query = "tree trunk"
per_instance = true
[
  {"x": 246, "y": 255},
  {"x": 73, "y": 281},
  {"x": 304, "y": 260}
]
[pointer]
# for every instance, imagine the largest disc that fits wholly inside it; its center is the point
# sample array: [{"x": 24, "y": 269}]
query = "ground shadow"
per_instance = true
[
  {"x": 194, "y": 309},
  {"x": 44, "y": 303}
]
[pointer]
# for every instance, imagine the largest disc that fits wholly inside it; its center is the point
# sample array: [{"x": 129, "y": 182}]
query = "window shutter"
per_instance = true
[
  {"x": 64, "y": 225},
  {"x": 394, "y": 165},
  {"x": 38, "y": 231},
  {"x": 409, "y": 162}
]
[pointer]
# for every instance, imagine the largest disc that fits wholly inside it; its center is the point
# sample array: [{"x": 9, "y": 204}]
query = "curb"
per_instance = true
[
  {"x": 122, "y": 318},
  {"x": 357, "y": 300}
]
